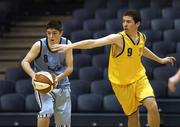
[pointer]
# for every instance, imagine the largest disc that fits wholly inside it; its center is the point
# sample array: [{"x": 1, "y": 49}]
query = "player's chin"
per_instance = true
[
  {"x": 55, "y": 51},
  {"x": 125, "y": 29}
]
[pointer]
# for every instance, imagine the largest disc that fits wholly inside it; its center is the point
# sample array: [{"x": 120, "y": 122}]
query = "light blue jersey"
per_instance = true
[{"x": 52, "y": 62}]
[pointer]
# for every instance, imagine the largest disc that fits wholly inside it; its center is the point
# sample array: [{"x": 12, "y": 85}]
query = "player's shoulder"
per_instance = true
[
  {"x": 66, "y": 40},
  {"x": 37, "y": 44},
  {"x": 115, "y": 36},
  {"x": 143, "y": 35}
]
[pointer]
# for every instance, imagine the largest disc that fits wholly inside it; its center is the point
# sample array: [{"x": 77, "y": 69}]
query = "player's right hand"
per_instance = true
[{"x": 33, "y": 77}]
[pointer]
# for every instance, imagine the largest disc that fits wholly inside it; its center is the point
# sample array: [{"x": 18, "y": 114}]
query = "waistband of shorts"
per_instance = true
[
  {"x": 144, "y": 76},
  {"x": 63, "y": 86}
]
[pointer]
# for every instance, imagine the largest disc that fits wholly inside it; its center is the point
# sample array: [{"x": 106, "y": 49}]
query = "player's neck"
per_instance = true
[
  {"x": 134, "y": 36},
  {"x": 50, "y": 47}
]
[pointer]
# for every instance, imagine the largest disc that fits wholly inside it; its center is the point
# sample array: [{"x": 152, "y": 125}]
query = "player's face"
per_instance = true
[
  {"x": 53, "y": 36},
  {"x": 128, "y": 24}
]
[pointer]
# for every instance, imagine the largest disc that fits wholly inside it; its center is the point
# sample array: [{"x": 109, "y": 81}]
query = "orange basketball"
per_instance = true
[{"x": 44, "y": 82}]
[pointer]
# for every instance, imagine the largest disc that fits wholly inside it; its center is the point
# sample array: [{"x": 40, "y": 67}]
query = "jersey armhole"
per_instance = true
[
  {"x": 66, "y": 41},
  {"x": 123, "y": 46},
  {"x": 40, "y": 50},
  {"x": 144, "y": 37}
]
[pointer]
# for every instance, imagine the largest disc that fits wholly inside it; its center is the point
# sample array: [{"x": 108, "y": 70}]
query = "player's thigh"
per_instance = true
[
  {"x": 126, "y": 97},
  {"x": 62, "y": 110},
  {"x": 143, "y": 89},
  {"x": 46, "y": 104}
]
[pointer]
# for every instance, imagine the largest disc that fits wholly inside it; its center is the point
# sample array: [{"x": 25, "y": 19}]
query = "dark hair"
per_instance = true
[
  {"x": 55, "y": 24},
  {"x": 134, "y": 14}
]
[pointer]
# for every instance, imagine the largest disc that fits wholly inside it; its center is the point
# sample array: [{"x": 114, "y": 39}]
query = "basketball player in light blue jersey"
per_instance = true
[{"x": 57, "y": 102}]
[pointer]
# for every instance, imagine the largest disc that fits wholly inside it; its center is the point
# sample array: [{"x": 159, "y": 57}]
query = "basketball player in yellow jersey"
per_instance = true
[{"x": 126, "y": 72}]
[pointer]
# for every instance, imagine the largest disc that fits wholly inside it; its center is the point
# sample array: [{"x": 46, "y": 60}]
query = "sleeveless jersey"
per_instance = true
[
  {"x": 49, "y": 61},
  {"x": 127, "y": 68}
]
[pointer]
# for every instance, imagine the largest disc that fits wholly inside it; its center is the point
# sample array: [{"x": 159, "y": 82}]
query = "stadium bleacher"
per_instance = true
[{"x": 93, "y": 101}]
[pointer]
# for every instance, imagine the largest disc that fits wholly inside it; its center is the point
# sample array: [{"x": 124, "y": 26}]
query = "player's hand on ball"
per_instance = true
[
  {"x": 33, "y": 78},
  {"x": 44, "y": 82},
  {"x": 56, "y": 82}
]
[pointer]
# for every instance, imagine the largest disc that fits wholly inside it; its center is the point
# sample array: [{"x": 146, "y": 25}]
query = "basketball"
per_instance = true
[{"x": 44, "y": 82}]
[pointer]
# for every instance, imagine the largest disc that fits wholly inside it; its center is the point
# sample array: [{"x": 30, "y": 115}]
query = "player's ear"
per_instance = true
[
  {"x": 138, "y": 24},
  {"x": 61, "y": 32}
]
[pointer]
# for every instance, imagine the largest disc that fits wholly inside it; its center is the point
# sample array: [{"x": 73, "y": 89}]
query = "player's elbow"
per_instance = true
[{"x": 22, "y": 62}]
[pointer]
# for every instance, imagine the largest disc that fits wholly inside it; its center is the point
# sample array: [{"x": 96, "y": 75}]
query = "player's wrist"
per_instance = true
[
  {"x": 70, "y": 46},
  {"x": 59, "y": 78},
  {"x": 33, "y": 74}
]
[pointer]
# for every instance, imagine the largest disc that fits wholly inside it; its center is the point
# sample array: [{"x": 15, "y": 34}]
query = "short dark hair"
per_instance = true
[
  {"x": 55, "y": 24},
  {"x": 134, "y": 14}
]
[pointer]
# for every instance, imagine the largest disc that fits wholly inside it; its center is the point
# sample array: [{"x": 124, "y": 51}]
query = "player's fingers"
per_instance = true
[
  {"x": 171, "y": 60},
  {"x": 55, "y": 45},
  {"x": 60, "y": 50},
  {"x": 56, "y": 81}
]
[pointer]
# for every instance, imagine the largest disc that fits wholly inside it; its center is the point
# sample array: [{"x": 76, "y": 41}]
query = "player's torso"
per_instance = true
[
  {"x": 127, "y": 67},
  {"x": 48, "y": 60}
]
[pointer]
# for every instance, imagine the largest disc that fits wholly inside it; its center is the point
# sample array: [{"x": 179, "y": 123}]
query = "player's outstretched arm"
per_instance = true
[
  {"x": 150, "y": 55},
  {"x": 69, "y": 65},
  {"x": 173, "y": 81},
  {"x": 87, "y": 44}
]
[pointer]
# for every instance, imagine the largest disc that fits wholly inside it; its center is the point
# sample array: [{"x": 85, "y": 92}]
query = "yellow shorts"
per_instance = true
[{"x": 131, "y": 96}]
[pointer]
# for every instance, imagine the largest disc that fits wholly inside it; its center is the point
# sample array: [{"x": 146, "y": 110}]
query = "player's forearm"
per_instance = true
[
  {"x": 27, "y": 68},
  {"x": 150, "y": 55},
  {"x": 66, "y": 73},
  {"x": 85, "y": 44}
]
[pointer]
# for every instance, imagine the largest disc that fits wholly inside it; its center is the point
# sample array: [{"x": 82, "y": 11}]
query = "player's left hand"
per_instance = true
[
  {"x": 172, "y": 84},
  {"x": 55, "y": 47},
  {"x": 168, "y": 60},
  {"x": 60, "y": 47}
]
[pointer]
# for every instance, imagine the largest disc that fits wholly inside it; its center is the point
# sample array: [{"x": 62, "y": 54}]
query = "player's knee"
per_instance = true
[
  {"x": 133, "y": 117},
  {"x": 152, "y": 106},
  {"x": 133, "y": 120}
]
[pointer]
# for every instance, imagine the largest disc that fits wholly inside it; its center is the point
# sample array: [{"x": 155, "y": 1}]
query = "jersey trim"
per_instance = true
[
  {"x": 132, "y": 39},
  {"x": 144, "y": 36},
  {"x": 66, "y": 41},
  {"x": 40, "y": 50},
  {"x": 60, "y": 41},
  {"x": 123, "y": 47}
]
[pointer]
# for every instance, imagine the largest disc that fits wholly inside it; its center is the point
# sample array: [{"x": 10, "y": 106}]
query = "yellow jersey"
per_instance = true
[{"x": 127, "y": 67}]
